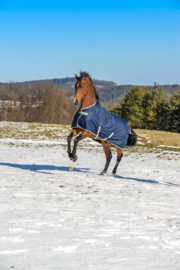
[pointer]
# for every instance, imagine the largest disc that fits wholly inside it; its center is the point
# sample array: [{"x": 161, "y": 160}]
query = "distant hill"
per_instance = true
[
  {"x": 68, "y": 83},
  {"x": 169, "y": 89},
  {"x": 117, "y": 92},
  {"x": 108, "y": 90}
]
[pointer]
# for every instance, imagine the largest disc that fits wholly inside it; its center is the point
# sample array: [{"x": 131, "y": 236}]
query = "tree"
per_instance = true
[
  {"x": 132, "y": 108},
  {"x": 174, "y": 120},
  {"x": 161, "y": 109},
  {"x": 144, "y": 108}
]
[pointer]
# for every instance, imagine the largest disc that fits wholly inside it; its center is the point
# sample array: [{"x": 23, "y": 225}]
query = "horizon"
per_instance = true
[
  {"x": 92, "y": 79},
  {"x": 127, "y": 43}
]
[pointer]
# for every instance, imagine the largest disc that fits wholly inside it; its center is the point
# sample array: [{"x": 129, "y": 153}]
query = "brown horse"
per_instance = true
[{"x": 86, "y": 95}]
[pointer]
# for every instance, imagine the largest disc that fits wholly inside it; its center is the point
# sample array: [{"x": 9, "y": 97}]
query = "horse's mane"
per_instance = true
[{"x": 86, "y": 74}]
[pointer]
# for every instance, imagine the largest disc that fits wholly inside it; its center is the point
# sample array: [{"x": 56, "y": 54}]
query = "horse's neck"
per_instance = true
[
  {"x": 88, "y": 100},
  {"x": 87, "y": 103}
]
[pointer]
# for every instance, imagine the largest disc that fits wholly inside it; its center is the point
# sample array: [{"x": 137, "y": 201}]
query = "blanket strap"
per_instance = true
[
  {"x": 84, "y": 113},
  {"x": 98, "y": 133},
  {"x": 109, "y": 136}
]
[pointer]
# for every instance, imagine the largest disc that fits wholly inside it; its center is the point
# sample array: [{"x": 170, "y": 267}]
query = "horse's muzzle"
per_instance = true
[{"x": 75, "y": 102}]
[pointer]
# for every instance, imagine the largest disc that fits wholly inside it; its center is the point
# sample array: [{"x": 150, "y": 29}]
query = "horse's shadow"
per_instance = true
[
  {"x": 137, "y": 179},
  {"x": 146, "y": 181},
  {"x": 43, "y": 168}
]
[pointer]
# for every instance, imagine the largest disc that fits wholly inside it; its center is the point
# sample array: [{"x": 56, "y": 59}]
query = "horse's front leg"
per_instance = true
[
  {"x": 69, "y": 138},
  {"x": 119, "y": 157},
  {"x": 76, "y": 140},
  {"x": 84, "y": 134}
]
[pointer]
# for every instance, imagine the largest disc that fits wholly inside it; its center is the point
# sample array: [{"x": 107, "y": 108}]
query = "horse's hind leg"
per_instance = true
[
  {"x": 108, "y": 154},
  {"x": 119, "y": 157}
]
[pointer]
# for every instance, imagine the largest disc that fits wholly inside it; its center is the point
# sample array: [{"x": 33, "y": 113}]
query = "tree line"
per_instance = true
[
  {"x": 150, "y": 109},
  {"x": 45, "y": 102},
  {"x": 42, "y": 102}
]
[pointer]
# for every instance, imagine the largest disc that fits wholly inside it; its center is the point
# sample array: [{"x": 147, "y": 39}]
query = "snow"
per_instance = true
[{"x": 53, "y": 218}]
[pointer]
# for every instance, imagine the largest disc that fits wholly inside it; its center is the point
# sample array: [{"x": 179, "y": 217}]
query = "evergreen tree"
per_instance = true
[
  {"x": 143, "y": 108},
  {"x": 161, "y": 109},
  {"x": 149, "y": 105},
  {"x": 132, "y": 108},
  {"x": 117, "y": 110},
  {"x": 174, "y": 121}
]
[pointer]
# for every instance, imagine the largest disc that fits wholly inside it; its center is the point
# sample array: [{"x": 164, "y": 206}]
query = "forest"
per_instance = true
[
  {"x": 42, "y": 102},
  {"x": 150, "y": 109},
  {"x": 45, "y": 102}
]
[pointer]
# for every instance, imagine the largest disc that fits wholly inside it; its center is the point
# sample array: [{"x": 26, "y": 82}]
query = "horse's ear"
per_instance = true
[{"x": 76, "y": 77}]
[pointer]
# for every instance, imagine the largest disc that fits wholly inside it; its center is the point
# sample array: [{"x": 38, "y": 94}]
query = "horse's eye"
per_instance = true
[{"x": 82, "y": 86}]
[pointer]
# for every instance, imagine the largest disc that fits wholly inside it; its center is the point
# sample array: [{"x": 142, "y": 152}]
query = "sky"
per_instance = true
[{"x": 128, "y": 42}]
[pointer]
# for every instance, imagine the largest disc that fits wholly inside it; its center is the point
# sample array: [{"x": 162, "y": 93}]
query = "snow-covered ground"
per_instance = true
[{"x": 56, "y": 219}]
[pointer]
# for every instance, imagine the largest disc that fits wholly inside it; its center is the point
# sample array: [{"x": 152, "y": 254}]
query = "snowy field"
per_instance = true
[{"x": 56, "y": 219}]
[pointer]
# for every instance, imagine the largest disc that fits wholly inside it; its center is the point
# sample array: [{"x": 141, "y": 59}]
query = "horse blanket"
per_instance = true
[{"x": 102, "y": 124}]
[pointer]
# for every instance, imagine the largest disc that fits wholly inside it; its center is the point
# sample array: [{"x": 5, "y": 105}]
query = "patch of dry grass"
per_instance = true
[
  {"x": 161, "y": 139},
  {"x": 33, "y": 131},
  {"x": 37, "y": 131}
]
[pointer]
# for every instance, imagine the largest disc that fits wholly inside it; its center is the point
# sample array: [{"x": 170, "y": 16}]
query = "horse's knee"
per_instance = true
[
  {"x": 69, "y": 137},
  {"x": 78, "y": 138}
]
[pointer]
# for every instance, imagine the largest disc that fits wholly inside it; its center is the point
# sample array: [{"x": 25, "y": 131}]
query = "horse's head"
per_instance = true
[{"x": 81, "y": 88}]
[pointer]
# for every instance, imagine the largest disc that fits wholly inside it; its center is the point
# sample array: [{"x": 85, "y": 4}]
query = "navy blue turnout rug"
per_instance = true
[{"x": 102, "y": 124}]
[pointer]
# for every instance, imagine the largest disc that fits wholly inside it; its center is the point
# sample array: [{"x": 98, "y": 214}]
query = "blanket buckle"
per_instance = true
[{"x": 84, "y": 113}]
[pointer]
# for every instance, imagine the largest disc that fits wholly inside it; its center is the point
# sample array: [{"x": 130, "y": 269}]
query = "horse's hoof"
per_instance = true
[
  {"x": 74, "y": 158},
  {"x": 112, "y": 174},
  {"x": 102, "y": 173}
]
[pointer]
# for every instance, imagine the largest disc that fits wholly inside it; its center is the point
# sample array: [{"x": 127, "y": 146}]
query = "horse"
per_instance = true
[{"x": 87, "y": 96}]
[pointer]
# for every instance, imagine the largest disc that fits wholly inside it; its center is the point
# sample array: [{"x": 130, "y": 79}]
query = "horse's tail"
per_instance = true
[
  {"x": 143, "y": 138},
  {"x": 133, "y": 137}
]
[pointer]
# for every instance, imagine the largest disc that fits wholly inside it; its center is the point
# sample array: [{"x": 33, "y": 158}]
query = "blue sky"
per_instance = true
[{"x": 129, "y": 42}]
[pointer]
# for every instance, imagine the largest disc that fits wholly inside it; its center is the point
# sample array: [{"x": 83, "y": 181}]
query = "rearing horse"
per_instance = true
[{"x": 93, "y": 121}]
